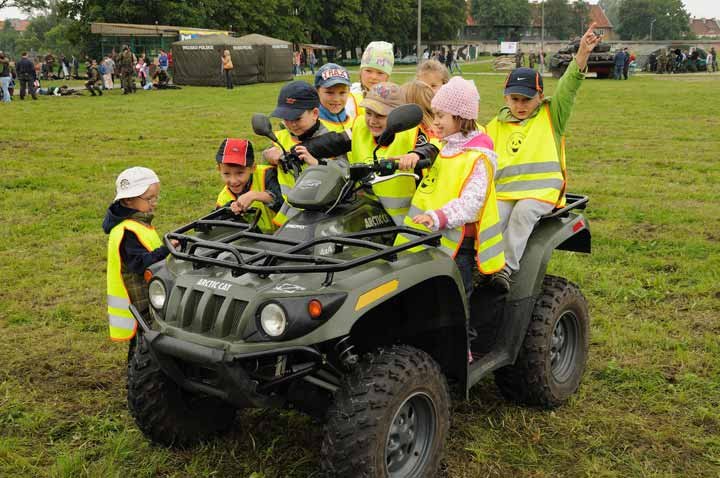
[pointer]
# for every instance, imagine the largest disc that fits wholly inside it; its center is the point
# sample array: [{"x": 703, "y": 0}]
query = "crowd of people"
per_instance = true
[
  {"x": 682, "y": 61},
  {"x": 125, "y": 67},
  {"x": 485, "y": 191}
]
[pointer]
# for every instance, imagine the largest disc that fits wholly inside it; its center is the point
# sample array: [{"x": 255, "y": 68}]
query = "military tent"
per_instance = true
[{"x": 256, "y": 59}]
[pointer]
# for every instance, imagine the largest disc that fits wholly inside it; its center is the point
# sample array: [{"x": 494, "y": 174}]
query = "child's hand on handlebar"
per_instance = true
[
  {"x": 305, "y": 155},
  {"x": 272, "y": 155},
  {"x": 424, "y": 219},
  {"x": 242, "y": 203},
  {"x": 407, "y": 161},
  {"x": 175, "y": 243}
]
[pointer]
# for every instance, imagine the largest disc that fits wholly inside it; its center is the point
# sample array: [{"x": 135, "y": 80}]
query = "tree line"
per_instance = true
[
  {"x": 64, "y": 25},
  {"x": 346, "y": 24}
]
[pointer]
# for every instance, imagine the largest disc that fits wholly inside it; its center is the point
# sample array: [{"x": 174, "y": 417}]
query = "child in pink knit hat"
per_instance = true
[{"x": 457, "y": 196}]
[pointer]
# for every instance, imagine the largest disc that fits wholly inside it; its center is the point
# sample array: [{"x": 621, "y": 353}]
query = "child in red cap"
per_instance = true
[{"x": 247, "y": 185}]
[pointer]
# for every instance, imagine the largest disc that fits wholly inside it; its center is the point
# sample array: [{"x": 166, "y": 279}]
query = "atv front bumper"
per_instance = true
[{"x": 221, "y": 374}]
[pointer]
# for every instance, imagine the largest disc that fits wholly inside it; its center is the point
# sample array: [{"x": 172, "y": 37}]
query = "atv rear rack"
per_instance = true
[{"x": 293, "y": 256}]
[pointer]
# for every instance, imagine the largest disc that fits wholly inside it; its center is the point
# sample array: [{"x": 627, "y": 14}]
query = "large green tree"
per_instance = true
[
  {"x": 565, "y": 20},
  {"x": 612, "y": 10},
  {"x": 669, "y": 19},
  {"x": 498, "y": 17}
]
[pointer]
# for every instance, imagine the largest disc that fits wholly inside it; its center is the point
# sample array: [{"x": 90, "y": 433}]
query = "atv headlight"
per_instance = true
[
  {"x": 157, "y": 294},
  {"x": 273, "y": 320}
]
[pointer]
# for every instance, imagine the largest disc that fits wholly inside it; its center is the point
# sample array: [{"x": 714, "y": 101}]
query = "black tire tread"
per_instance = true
[
  {"x": 527, "y": 381},
  {"x": 161, "y": 409},
  {"x": 350, "y": 447}
]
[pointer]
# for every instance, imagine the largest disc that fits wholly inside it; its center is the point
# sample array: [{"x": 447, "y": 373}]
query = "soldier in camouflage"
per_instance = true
[{"x": 126, "y": 62}]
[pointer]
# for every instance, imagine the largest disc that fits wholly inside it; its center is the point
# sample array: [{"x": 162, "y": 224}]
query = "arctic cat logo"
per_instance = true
[
  {"x": 309, "y": 184},
  {"x": 375, "y": 221},
  {"x": 294, "y": 226},
  {"x": 214, "y": 284},
  {"x": 289, "y": 288}
]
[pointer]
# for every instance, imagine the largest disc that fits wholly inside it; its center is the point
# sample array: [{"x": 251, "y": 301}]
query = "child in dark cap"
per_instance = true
[
  {"x": 247, "y": 185},
  {"x": 298, "y": 106},
  {"x": 528, "y": 134}
]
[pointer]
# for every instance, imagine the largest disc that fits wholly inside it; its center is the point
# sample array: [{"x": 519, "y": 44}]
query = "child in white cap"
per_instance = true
[
  {"x": 457, "y": 196},
  {"x": 376, "y": 67},
  {"x": 132, "y": 247}
]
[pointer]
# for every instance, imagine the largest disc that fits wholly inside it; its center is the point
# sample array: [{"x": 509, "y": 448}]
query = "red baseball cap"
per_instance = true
[{"x": 235, "y": 151}]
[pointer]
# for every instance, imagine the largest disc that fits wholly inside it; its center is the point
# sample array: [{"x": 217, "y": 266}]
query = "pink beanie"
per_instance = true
[{"x": 458, "y": 97}]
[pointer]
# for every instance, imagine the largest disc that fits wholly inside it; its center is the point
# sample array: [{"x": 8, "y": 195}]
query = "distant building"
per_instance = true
[
  {"x": 17, "y": 24},
  {"x": 705, "y": 27}
]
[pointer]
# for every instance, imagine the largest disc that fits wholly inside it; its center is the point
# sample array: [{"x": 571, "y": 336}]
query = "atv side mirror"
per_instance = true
[
  {"x": 400, "y": 119},
  {"x": 262, "y": 127}
]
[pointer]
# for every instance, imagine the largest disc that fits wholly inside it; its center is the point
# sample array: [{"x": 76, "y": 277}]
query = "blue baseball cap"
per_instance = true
[
  {"x": 294, "y": 99},
  {"x": 524, "y": 81},
  {"x": 331, "y": 74}
]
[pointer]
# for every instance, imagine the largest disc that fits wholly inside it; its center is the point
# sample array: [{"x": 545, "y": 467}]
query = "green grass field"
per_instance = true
[{"x": 645, "y": 151}]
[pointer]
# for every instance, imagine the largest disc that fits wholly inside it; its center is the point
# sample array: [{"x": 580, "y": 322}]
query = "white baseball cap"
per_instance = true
[{"x": 134, "y": 181}]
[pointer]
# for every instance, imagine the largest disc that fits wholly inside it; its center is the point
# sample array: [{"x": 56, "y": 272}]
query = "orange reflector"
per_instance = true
[
  {"x": 315, "y": 308},
  {"x": 578, "y": 225},
  {"x": 147, "y": 275}
]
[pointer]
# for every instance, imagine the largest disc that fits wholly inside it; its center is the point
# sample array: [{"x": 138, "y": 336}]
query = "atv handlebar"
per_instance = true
[{"x": 383, "y": 167}]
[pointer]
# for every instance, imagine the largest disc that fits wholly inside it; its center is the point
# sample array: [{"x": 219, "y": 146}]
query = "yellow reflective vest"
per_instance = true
[
  {"x": 353, "y": 104},
  {"x": 394, "y": 194},
  {"x": 286, "y": 180},
  {"x": 530, "y": 165},
  {"x": 444, "y": 183},
  {"x": 122, "y": 324},
  {"x": 338, "y": 127},
  {"x": 265, "y": 223}
]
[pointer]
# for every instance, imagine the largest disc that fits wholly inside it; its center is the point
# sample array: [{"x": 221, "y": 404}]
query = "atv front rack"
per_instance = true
[{"x": 293, "y": 256}]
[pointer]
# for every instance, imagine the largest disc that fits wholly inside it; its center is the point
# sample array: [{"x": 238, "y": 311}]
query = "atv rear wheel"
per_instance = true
[
  {"x": 554, "y": 353},
  {"x": 164, "y": 412},
  {"x": 389, "y": 419}
]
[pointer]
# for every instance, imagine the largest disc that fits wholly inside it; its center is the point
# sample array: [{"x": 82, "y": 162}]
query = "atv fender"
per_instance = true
[{"x": 570, "y": 233}]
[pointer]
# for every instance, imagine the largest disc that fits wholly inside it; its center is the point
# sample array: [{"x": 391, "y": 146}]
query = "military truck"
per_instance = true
[
  {"x": 601, "y": 61},
  {"x": 329, "y": 317}
]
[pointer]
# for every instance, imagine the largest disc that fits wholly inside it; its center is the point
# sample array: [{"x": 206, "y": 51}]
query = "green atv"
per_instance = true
[{"x": 329, "y": 317}]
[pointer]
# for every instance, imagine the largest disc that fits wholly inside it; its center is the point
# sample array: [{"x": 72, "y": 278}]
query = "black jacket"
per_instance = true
[
  {"x": 25, "y": 69},
  {"x": 135, "y": 257}
]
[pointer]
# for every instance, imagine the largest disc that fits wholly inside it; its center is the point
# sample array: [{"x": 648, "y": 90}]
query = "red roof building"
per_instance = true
[
  {"x": 17, "y": 24},
  {"x": 705, "y": 27}
]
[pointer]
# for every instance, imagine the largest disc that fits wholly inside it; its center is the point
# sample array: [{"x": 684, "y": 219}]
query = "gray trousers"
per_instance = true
[{"x": 517, "y": 219}]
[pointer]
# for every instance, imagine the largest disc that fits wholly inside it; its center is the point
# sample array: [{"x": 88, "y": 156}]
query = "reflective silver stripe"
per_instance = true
[
  {"x": 284, "y": 208},
  {"x": 394, "y": 203},
  {"x": 530, "y": 185},
  {"x": 452, "y": 235},
  {"x": 532, "y": 168},
  {"x": 414, "y": 211},
  {"x": 491, "y": 251},
  {"x": 490, "y": 232},
  {"x": 118, "y": 302},
  {"x": 398, "y": 219},
  {"x": 121, "y": 322}
]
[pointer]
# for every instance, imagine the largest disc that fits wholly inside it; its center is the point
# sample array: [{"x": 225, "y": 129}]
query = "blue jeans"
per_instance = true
[
  {"x": 619, "y": 72},
  {"x": 465, "y": 260},
  {"x": 5, "y": 82}
]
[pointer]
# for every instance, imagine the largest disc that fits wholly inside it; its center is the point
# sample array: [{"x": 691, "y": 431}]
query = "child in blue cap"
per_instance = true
[{"x": 333, "y": 86}]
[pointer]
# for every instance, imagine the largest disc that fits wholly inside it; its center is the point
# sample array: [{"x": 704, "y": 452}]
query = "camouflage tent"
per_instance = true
[{"x": 255, "y": 59}]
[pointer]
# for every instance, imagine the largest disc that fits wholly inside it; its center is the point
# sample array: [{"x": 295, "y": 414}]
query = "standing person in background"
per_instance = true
[
  {"x": 626, "y": 64},
  {"x": 531, "y": 60},
  {"x": 312, "y": 61},
  {"x": 126, "y": 70},
  {"x": 26, "y": 76},
  {"x": 714, "y": 59},
  {"x": 163, "y": 60},
  {"x": 5, "y": 77},
  {"x": 109, "y": 73},
  {"x": 449, "y": 59},
  {"x": 519, "y": 58},
  {"x": 619, "y": 61},
  {"x": 227, "y": 67},
  {"x": 74, "y": 67}
]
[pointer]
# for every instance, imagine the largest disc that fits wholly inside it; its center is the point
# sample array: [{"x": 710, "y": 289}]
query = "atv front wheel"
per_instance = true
[
  {"x": 164, "y": 412},
  {"x": 553, "y": 356},
  {"x": 389, "y": 418}
]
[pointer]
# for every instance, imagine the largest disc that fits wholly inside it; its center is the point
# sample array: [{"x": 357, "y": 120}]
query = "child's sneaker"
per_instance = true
[{"x": 501, "y": 280}]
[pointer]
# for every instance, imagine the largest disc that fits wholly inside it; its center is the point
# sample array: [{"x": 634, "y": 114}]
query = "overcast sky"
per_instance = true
[{"x": 697, "y": 8}]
